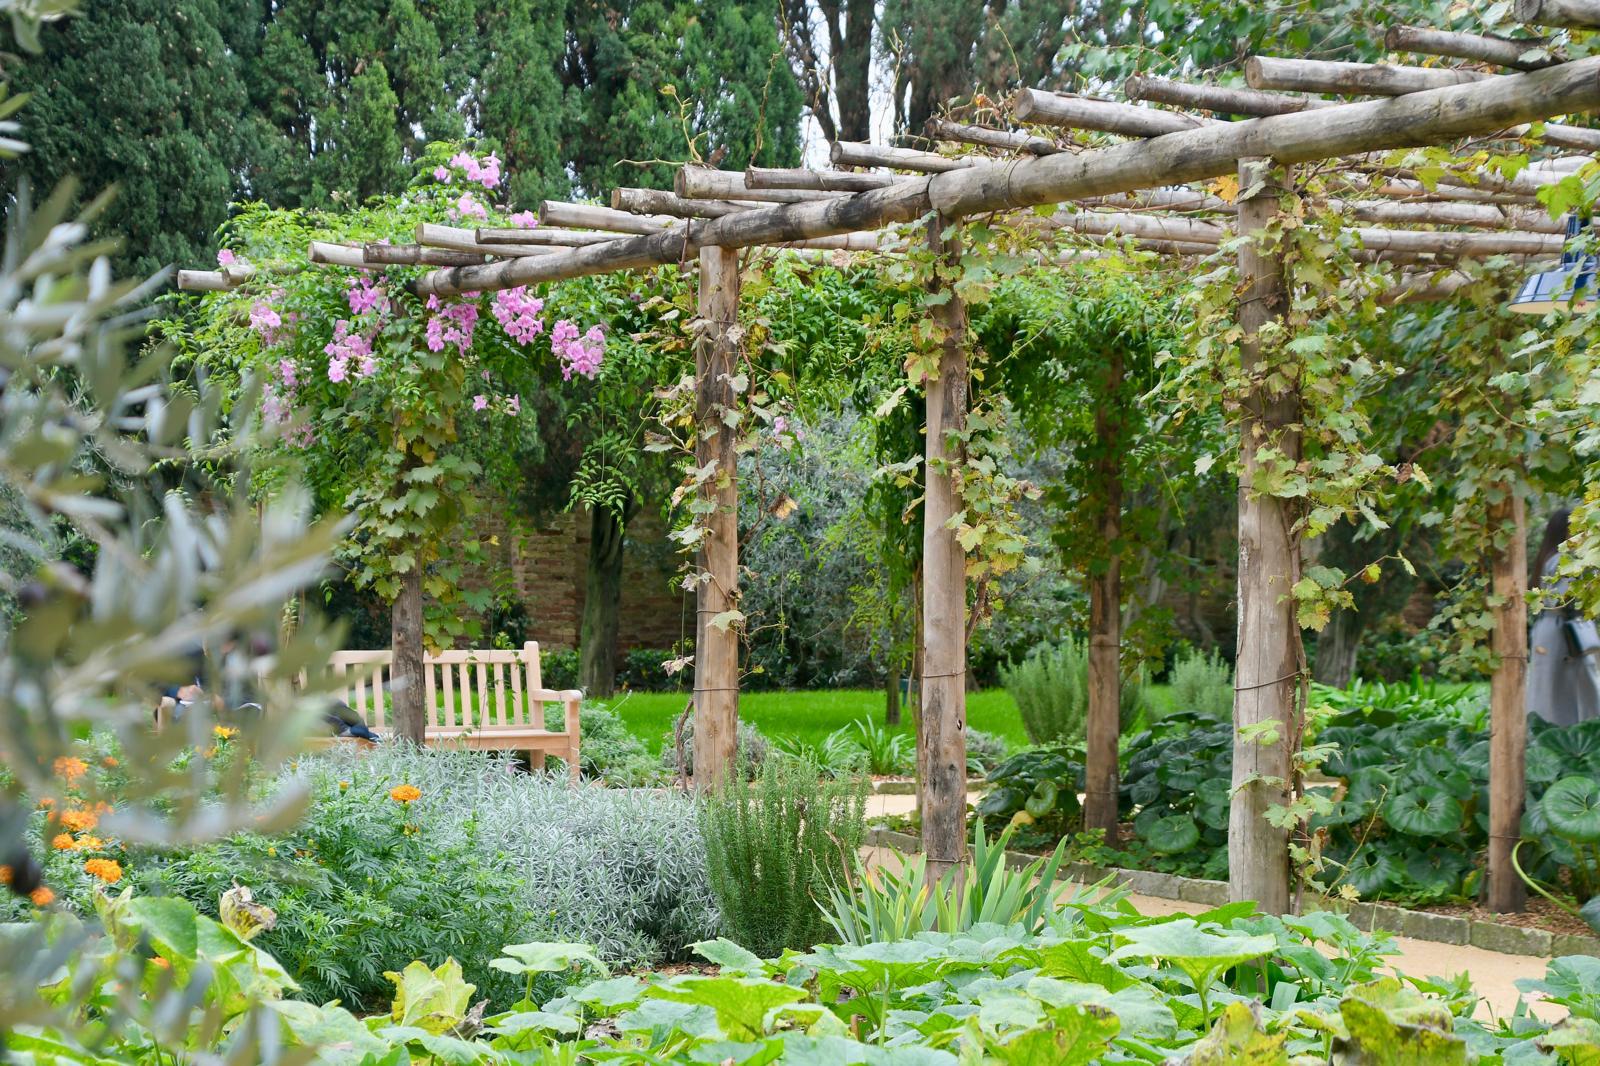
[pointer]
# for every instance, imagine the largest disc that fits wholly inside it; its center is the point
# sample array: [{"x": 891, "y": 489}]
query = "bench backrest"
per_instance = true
[{"x": 462, "y": 689}]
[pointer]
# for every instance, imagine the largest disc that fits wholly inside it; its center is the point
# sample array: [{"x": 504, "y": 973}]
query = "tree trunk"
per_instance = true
[
  {"x": 716, "y": 659},
  {"x": 891, "y": 696},
  {"x": 1508, "y": 725},
  {"x": 1269, "y": 650},
  {"x": 942, "y": 739},
  {"x": 602, "y": 600},
  {"x": 407, "y": 692},
  {"x": 1336, "y": 649},
  {"x": 1104, "y": 724}
]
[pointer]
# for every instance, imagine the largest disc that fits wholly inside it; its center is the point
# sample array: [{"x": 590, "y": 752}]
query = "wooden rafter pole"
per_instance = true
[
  {"x": 1433, "y": 117},
  {"x": 942, "y": 732},
  {"x": 1508, "y": 725},
  {"x": 1267, "y": 672},
  {"x": 716, "y": 654},
  {"x": 1516, "y": 54},
  {"x": 1574, "y": 14}
]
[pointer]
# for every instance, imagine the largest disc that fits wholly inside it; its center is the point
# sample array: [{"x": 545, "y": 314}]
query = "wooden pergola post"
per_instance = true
[
  {"x": 1508, "y": 725},
  {"x": 1103, "y": 723},
  {"x": 1267, "y": 673},
  {"x": 942, "y": 736},
  {"x": 716, "y": 658},
  {"x": 407, "y": 696}
]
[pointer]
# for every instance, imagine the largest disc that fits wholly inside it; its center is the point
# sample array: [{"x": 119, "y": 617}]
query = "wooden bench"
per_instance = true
[{"x": 479, "y": 699}]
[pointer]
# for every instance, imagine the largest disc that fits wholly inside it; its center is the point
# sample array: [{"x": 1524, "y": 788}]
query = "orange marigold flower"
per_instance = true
[
  {"x": 107, "y": 870},
  {"x": 46, "y": 802},
  {"x": 78, "y": 821},
  {"x": 161, "y": 963},
  {"x": 102, "y": 807},
  {"x": 42, "y": 896},
  {"x": 6, "y": 874},
  {"x": 63, "y": 842},
  {"x": 109, "y": 762},
  {"x": 405, "y": 793},
  {"x": 70, "y": 768}
]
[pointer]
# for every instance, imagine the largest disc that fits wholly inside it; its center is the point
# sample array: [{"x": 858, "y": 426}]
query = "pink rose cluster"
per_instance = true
[
  {"x": 485, "y": 171},
  {"x": 451, "y": 323},
  {"x": 518, "y": 313},
  {"x": 578, "y": 355}
]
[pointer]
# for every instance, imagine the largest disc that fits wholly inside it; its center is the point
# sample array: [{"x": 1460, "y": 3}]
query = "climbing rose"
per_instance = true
[
  {"x": 525, "y": 219},
  {"x": 336, "y": 370},
  {"x": 515, "y": 405},
  {"x": 226, "y": 258},
  {"x": 467, "y": 207},
  {"x": 479, "y": 402},
  {"x": 265, "y": 321},
  {"x": 441, "y": 173}
]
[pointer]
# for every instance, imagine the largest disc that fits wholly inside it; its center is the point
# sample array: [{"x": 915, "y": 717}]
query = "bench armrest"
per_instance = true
[{"x": 555, "y": 695}]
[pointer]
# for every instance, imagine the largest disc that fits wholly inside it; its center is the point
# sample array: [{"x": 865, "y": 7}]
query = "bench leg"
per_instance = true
[{"x": 535, "y": 760}]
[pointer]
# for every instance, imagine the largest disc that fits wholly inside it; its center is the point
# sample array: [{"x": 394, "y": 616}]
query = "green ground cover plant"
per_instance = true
[
  {"x": 407, "y": 854},
  {"x": 1402, "y": 796},
  {"x": 810, "y": 715},
  {"x": 1097, "y": 983}
]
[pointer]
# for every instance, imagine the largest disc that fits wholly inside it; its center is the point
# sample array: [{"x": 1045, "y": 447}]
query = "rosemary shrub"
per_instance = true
[{"x": 774, "y": 847}]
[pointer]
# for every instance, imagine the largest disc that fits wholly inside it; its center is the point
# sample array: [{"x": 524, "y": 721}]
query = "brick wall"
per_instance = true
[{"x": 546, "y": 562}]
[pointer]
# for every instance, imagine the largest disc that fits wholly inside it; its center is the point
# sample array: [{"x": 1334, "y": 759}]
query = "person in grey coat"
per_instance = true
[{"x": 1563, "y": 683}]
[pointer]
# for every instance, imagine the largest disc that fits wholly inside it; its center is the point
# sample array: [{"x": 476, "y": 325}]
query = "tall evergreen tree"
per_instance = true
[{"x": 147, "y": 97}]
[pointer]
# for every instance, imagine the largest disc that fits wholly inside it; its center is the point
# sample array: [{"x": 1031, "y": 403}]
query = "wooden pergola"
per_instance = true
[{"x": 1148, "y": 191}]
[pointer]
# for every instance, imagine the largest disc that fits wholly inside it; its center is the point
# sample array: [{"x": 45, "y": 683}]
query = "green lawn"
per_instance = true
[{"x": 810, "y": 716}]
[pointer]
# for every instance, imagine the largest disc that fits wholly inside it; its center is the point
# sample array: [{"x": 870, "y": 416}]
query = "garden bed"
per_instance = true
[{"x": 1509, "y": 934}]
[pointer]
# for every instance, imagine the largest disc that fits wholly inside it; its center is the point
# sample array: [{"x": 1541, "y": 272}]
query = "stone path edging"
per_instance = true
[{"x": 1419, "y": 925}]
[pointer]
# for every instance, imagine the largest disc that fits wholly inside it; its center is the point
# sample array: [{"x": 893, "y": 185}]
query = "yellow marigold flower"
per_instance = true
[
  {"x": 63, "y": 842},
  {"x": 224, "y": 732},
  {"x": 344, "y": 786},
  {"x": 78, "y": 821},
  {"x": 405, "y": 793},
  {"x": 42, "y": 896},
  {"x": 70, "y": 768},
  {"x": 107, "y": 870},
  {"x": 272, "y": 851},
  {"x": 90, "y": 843}
]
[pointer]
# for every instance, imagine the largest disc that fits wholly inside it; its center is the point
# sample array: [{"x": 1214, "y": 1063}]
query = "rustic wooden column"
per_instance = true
[
  {"x": 407, "y": 693},
  {"x": 1267, "y": 673},
  {"x": 1104, "y": 716},
  {"x": 942, "y": 736},
  {"x": 1508, "y": 715},
  {"x": 716, "y": 655}
]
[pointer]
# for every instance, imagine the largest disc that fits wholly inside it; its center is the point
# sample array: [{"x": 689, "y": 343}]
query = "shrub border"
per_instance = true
[{"x": 1418, "y": 925}]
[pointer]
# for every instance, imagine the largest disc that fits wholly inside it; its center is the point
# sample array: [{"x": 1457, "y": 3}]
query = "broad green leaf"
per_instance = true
[
  {"x": 1076, "y": 1036},
  {"x": 1238, "y": 1040},
  {"x": 432, "y": 1000},
  {"x": 1427, "y": 811},
  {"x": 741, "y": 1003},
  {"x": 729, "y": 956},
  {"x": 1572, "y": 806},
  {"x": 169, "y": 924},
  {"x": 542, "y": 957},
  {"x": 329, "y": 1027},
  {"x": 536, "y": 1020},
  {"x": 1391, "y": 1025},
  {"x": 1576, "y": 1042}
]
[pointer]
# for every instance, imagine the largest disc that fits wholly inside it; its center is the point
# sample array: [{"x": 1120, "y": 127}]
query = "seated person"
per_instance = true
[{"x": 340, "y": 718}]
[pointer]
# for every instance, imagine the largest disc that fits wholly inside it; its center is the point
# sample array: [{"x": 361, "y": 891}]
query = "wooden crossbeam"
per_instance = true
[
  {"x": 1221, "y": 99},
  {"x": 1572, "y": 14},
  {"x": 1372, "y": 79},
  {"x": 1196, "y": 154},
  {"x": 856, "y": 154},
  {"x": 659, "y": 202},
  {"x": 1089, "y": 113},
  {"x": 1526, "y": 53},
  {"x": 941, "y": 129}
]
